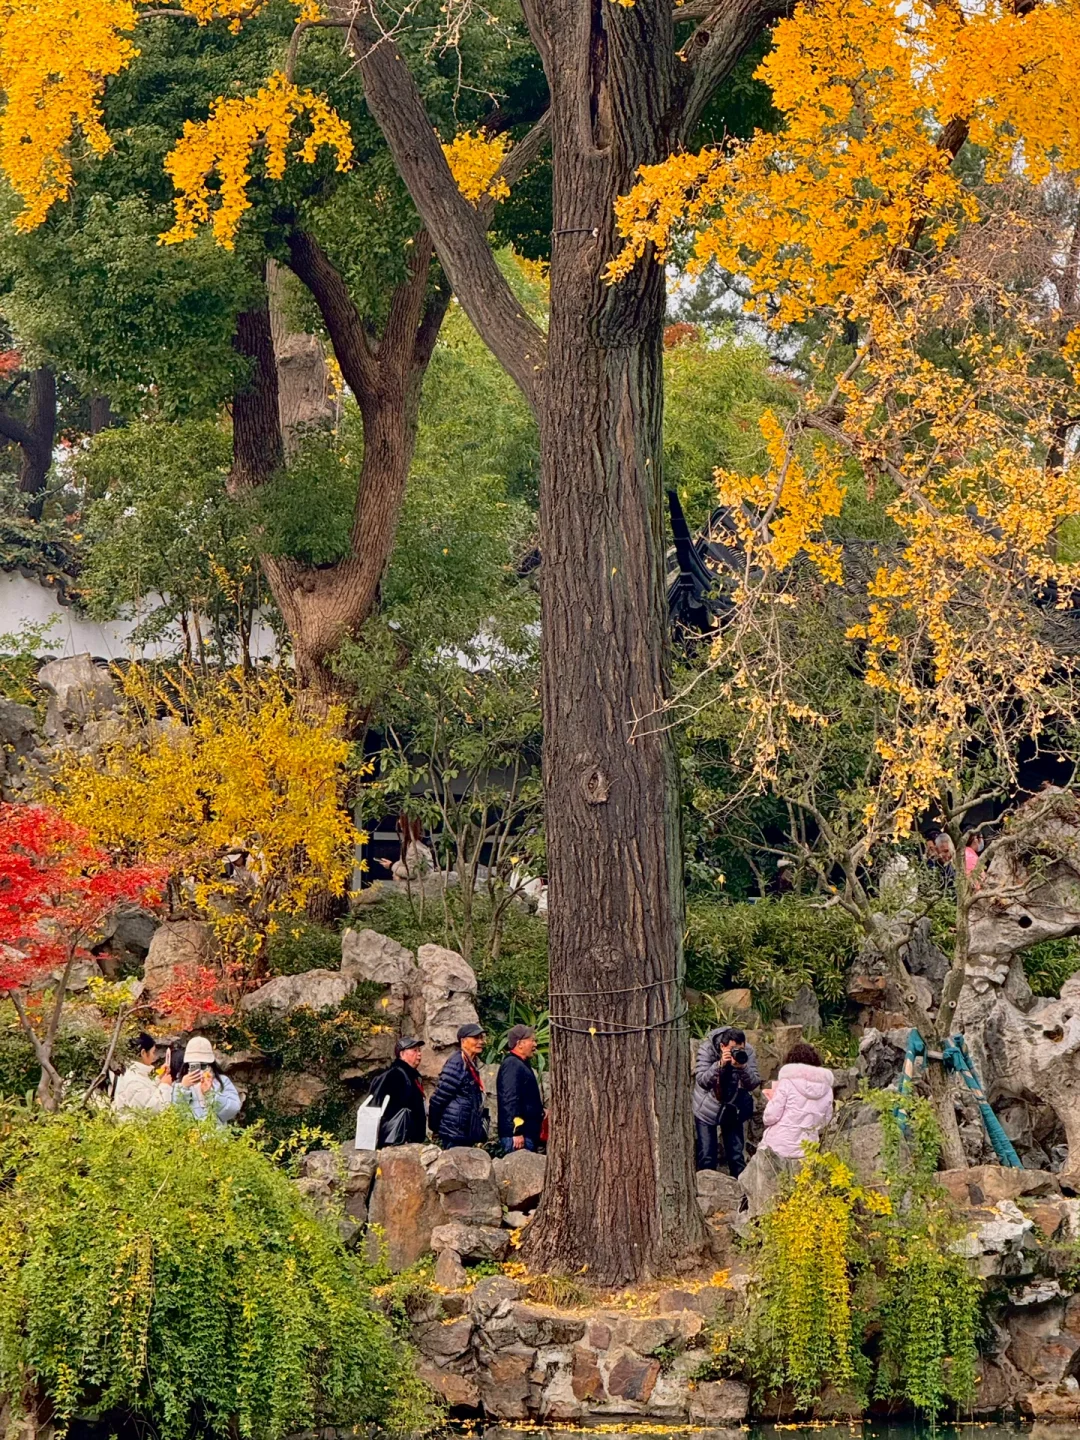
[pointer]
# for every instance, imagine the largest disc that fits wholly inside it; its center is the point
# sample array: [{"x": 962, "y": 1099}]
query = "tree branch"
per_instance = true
[
  {"x": 309, "y": 263},
  {"x": 715, "y": 48},
  {"x": 44, "y": 1058},
  {"x": 457, "y": 229},
  {"x": 528, "y": 149}
]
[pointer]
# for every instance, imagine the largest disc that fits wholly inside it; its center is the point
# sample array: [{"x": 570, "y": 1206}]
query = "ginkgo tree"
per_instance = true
[
  {"x": 945, "y": 283},
  {"x": 277, "y": 170},
  {"x": 627, "y": 83}
]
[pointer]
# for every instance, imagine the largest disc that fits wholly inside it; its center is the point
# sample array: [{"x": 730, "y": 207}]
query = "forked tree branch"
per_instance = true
[{"x": 456, "y": 227}]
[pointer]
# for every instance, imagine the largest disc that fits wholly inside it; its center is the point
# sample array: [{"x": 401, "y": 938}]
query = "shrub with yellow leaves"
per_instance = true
[{"x": 237, "y": 793}]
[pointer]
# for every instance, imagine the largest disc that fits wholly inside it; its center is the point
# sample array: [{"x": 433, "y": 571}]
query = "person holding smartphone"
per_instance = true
[
  {"x": 725, "y": 1079},
  {"x": 202, "y": 1088},
  {"x": 139, "y": 1087}
]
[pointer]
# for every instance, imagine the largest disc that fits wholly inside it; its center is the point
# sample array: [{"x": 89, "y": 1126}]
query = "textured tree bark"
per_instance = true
[
  {"x": 620, "y": 1197},
  {"x": 306, "y": 401},
  {"x": 619, "y": 1200},
  {"x": 100, "y": 414},
  {"x": 35, "y": 438},
  {"x": 324, "y": 605}
]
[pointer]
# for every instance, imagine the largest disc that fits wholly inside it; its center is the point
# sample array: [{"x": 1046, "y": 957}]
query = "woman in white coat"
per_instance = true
[{"x": 138, "y": 1087}]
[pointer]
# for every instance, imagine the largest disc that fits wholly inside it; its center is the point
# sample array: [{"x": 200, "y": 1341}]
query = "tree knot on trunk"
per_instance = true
[{"x": 596, "y": 786}]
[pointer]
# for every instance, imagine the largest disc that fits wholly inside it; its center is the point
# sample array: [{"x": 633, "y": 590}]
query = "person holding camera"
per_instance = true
[
  {"x": 203, "y": 1089},
  {"x": 725, "y": 1079}
]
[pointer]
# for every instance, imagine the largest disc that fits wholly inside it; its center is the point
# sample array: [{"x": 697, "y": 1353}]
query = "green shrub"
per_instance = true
[
  {"x": 78, "y": 1053},
  {"x": 773, "y": 948},
  {"x": 169, "y": 1271},
  {"x": 317, "y": 1042},
  {"x": 297, "y": 945},
  {"x": 859, "y": 1287},
  {"x": 1049, "y": 965}
]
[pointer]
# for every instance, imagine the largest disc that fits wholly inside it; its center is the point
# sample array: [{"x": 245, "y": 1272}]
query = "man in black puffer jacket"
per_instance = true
[{"x": 456, "y": 1113}]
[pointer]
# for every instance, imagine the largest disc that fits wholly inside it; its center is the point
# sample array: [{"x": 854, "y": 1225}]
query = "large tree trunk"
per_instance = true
[{"x": 620, "y": 1195}]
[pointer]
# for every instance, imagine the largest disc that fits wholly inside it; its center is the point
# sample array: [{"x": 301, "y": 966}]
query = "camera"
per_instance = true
[{"x": 740, "y": 1057}]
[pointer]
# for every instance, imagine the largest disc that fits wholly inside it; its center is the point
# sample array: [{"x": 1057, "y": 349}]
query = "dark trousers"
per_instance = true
[
  {"x": 730, "y": 1133},
  {"x": 507, "y": 1143}
]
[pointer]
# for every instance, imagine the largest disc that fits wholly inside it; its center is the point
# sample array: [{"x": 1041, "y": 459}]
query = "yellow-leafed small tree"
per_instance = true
[{"x": 226, "y": 784}]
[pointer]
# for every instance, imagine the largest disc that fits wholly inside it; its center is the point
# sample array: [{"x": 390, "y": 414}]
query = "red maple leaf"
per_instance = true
[{"x": 57, "y": 889}]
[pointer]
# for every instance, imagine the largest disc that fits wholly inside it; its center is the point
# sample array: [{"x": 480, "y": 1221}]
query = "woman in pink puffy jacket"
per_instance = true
[{"x": 800, "y": 1104}]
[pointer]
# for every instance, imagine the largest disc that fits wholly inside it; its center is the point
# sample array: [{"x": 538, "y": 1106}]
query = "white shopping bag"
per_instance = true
[{"x": 368, "y": 1119}]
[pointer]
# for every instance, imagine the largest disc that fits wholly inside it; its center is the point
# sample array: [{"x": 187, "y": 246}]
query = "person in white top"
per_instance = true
[{"x": 138, "y": 1087}]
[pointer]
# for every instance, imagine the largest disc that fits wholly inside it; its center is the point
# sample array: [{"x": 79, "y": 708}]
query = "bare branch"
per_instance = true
[{"x": 714, "y": 49}]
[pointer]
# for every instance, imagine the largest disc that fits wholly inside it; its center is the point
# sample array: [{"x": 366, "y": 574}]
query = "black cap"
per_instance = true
[
  {"x": 408, "y": 1042},
  {"x": 470, "y": 1032},
  {"x": 517, "y": 1033}
]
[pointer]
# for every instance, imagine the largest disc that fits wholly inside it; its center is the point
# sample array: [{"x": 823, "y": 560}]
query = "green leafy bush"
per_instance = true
[
  {"x": 840, "y": 1262},
  {"x": 315, "y": 1042},
  {"x": 297, "y": 945},
  {"x": 170, "y": 1271},
  {"x": 774, "y": 948},
  {"x": 1049, "y": 965},
  {"x": 78, "y": 1053}
]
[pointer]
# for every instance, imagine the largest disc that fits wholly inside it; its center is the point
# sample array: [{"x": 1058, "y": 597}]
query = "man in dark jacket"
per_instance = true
[
  {"x": 456, "y": 1113},
  {"x": 521, "y": 1110},
  {"x": 403, "y": 1091},
  {"x": 725, "y": 1079}
]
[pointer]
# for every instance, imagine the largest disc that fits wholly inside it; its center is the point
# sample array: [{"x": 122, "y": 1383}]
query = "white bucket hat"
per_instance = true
[{"x": 199, "y": 1051}]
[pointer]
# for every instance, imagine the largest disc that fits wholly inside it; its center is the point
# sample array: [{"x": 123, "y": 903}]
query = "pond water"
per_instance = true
[{"x": 820, "y": 1430}]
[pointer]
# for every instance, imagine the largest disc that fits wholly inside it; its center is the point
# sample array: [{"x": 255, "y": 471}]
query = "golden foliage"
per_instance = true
[
  {"x": 55, "y": 57},
  {"x": 809, "y": 1240},
  {"x": 953, "y": 396},
  {"x": 475, "y": 160},
  {"x": 224, "y": 144},
  {"x": 867, "y": 89},
  {"x": 231, "y": 771}
]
